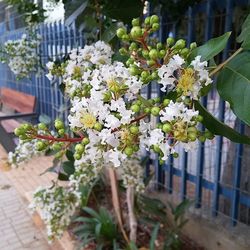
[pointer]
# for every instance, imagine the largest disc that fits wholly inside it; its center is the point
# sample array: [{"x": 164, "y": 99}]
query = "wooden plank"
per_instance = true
[{"x": 17, "y": 101}]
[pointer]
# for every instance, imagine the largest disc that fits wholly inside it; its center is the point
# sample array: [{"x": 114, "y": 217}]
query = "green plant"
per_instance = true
[{"x": 98, "y": 227}]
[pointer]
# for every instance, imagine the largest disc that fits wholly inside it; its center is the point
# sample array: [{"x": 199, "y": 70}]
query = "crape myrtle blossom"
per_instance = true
[
  {"x": 187, "y": 80},
  {"x": 21, "y": 54},
  {"x": 111, "y": 121}
]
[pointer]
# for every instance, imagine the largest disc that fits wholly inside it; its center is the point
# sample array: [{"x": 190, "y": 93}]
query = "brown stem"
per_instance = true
[
  {"x": 52, "y": 138},
  {"x": 116, "y": 201},
  {"x": 131, "y": 213}
]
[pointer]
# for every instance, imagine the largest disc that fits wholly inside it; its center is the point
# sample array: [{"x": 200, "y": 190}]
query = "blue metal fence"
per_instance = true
[{"x": 211, "y": 175}]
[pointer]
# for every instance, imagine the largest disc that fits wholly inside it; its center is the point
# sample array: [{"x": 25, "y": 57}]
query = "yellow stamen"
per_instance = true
[
  {"x": 88, "y": 120},
  {"x": 186, "y": 81}
]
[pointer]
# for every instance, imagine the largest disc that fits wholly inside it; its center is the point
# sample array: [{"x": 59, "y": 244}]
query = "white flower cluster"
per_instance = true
[
  {"x": 57, "y": 205},
  {"x": 24, "y": 151},
  {"x": 21, "y": 55},
  {"x": 132, "y": 175},
  {"x": 188, "y": 80}
]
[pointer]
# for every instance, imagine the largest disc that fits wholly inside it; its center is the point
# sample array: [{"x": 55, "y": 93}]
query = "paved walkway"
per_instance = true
[{"x": 17, "y": 228}]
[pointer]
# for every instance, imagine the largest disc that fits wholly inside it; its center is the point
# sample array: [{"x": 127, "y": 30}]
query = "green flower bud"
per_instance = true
[
  {"x": 128, "y": 151},
  {"x": 184, "y": 52},
  {"x": 59, "y": 154},
  {"x": 85, "y": 141},
  {"x": 167, "y": 127},
  {"x": 147, "y": 110},
  {"x": 77, "y": 156},
  {"x": 61, "y": 132},
  {"x": 155, "y": 26},
  {"x": 121, "y": 32},
  {"x": 147, "y": 20},
  {"x": 19, "y": 131},
  {"x": 150, "y": 63},
  {"x": 159, "y": 46},
  {"x": 154, "y": 19},
  {"x": 192, "y": 130},
  {"x": 79, "y": 148},
  {"x": 193, "y": 45},
  {"x": 144, "y": 74},
  {"x": 136, "y": 148},
  {"x": 209, "y": 135},
  {"x": 133, "y": 70},
  {"x": 58, "y": 124},
  {"x": 135, "y": 108},
  {"x": 145, "y": 53},
  {"x": 170, "y": 41},
  {"x": 192, "y": 136},
  {"x": 125, "y": 37},
  {"x": 40, "y": 146},
  {"x": 136, "y": 32},
  {"x": 157, "y": 99},
  {"x": 98, "y": 126},
  {"x": 153, "y": 54},
  {"x": 162, "y": 53},
  {"x": 166, "y": 102},
  {"x": 175, "y": 155},
  {"x": 134, "y": 130},
  {"x": 159, "y": 125},
  {"x": 56, "y": 146},
  {"x": 180, "y": 44},
  {"x": 202, "y": 138},
  {"x": 199, "y": 118},
  {"x": 154, "y": 75},
  {"x": 42, "y": 126},
  {"x": 133, "y": 46},
  {"x": 135, "y": 22},
  {"x": 123, "y": 51},
  {"x": 155, "y": 111}
]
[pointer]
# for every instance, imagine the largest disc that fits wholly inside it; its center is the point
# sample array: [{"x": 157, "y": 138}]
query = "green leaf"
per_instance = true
[
  {"x": 63, "y": 177},
  {"x": 123, "y": 10},
  {"x": 70, "y": 155},
  {"x": 154, "y": 236},
  {"x": 233, "y": 85},
  {"x": 109, "y": 33},
  {"x": 211, "y": 48},
  {"x": 219, "y": 128},
  {"x": 244, "y": 36},
  {"x": 68, "y": 167}
]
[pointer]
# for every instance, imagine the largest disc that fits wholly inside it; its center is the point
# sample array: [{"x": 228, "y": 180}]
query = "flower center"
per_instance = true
[
  {"x": 88, "y": 120},
  {"x": 180, "y": 131},
  {"x": 186, "y": 81}
]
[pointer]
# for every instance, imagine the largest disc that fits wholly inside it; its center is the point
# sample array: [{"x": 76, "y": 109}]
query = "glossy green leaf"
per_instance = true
[
  {"x": 68, "y": 167},
  {"x": 123, "y": 10},
  {"x": 109, "y": 33},
  {"x": 219, "y": 128},
  {"x": 211, "y": 48},
  {"x": 233, "y": 85},
  {"x": 244, "y": 36}
]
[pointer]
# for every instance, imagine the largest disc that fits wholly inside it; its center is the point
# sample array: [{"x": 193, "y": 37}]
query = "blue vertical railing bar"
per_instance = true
[
  {"x": 201, "y": 149},
  {"x": 219, "y": 143},
  {"x": 236, "y": 180}
]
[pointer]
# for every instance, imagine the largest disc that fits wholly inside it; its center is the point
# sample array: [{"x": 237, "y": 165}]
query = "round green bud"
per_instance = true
[
  {"x": 202, "y": 138},
  {"x": 42, "y": 126},
  {"x": 193, "y": 45},
  {"x": 136, "y": 32},
  {"x": 159, "y": 125},
  {"x": 77, "y": 156},
  {"x": 192, "y": 136},
  {"x": 59, "y": 154},
  {"x": 192, "y": 130},
  {"x": 167, "y": 127},
  {"x": 144, "y": 74},
  {"x": 58, "y": 124},
  {"x": 155, "y": 26},
  {"x": 40, "y": 146},
  {"x": 154, "y": 75},
  {"x": 159, "y": 46},
  {"x": 166, "y": 102},
  {"x": 128, "y": 151},
  {"x": 129, "y": 61},
  {"x": 170, "y": 41},
  {"x": 133, "y": 46},
  {"x": 136, "y": 148},
  {"x": 134, "y": 70},
  {"x": 209, "y": 135},
  {"x": 135, "y": 108},
  {"x": 155, "y": 111},
  {"x": 162, "y": 53},
  {"x": 150, "y": 63},
  {"x": 138, "y": 102},
  {"x": 157, "y": 99},
  {"x": 98, "y": 126},
  {"x": 147, "y": 110},
  {"x": 147, "y": 20},
  {"x": 19, "y": 131},
  {"x": 145, "y": 53},
  {"x": 26, "y": 126},
  {"x": 199, "y": 118},
  {"x": 61, "y": 132},
  {"x": 180, "y": 44},
  {"x": 23, "y": 137},
  {"x": 79, "y": 148},
  {"x": 153, "y": 54},
  {"x": 175, "y": 155},
  {"x": 56, "y": 146},
  {"x": 85, "y": 141},
  {"x": 154, "y": 19},
  {"x": 135, "y": 22},
  {"x": 125, "y": 37},
  {"x": 156, "y": 149},
  {"x": 123, "y": 51},
  {"x": 121, "y": 32},
  {"x": 184, "y": 52}
]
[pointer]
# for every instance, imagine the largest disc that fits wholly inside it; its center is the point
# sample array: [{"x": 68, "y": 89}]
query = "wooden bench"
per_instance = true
[{"x": 15, "y": 108}]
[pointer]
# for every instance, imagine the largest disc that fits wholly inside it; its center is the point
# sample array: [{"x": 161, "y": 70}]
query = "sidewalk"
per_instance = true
[{"x": 18, "y": 230}]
